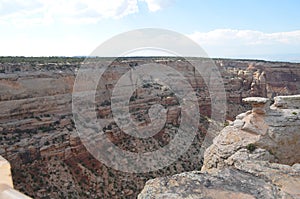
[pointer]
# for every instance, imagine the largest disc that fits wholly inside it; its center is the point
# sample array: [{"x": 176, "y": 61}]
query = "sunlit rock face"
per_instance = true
[
  {"x": 48, "y": 159},
  {"x": 227, "y": 183},
  {"x": 254, "y": 157},
  {"x": 273, "y": 129},
  {"x": 5, "y": 172}
]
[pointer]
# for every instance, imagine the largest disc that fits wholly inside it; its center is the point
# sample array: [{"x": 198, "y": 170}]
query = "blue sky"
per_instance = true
[{"x": 262, "y": 29}]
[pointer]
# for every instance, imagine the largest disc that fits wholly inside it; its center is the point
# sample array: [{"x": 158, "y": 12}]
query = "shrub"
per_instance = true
[
  {"x": 226, "y": 123},
  {"x": 132, "y": 98},
  {"x": 251, "y": 147},
  {"x": 106, "y": 103}
]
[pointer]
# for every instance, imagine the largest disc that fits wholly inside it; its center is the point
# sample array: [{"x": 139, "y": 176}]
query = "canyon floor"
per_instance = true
[{"x": 38, "y": 134}]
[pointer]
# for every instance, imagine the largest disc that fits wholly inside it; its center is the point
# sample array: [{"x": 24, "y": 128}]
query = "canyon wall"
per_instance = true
[
  {"x": 48, "y": 159},
  {"x": 256, "y": 156}
]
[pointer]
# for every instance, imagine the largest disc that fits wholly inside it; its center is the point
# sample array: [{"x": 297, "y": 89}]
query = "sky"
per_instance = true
[{"x": 255, "y": 29}]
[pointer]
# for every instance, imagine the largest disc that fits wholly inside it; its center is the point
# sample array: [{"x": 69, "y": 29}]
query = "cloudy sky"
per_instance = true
[{"x": 261, "y": 29}]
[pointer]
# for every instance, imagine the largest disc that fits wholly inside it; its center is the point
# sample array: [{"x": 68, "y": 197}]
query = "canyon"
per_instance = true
[{"x": 38, "y": 135}]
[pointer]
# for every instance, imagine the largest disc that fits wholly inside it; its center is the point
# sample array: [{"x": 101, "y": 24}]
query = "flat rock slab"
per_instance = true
[
  {"x": 287, "y": 102},
  {"x": 256, "y": 100},
  {"x": 228, "y": 183}
]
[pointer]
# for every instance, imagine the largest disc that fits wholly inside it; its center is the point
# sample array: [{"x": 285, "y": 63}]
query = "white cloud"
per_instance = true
[
  {"x": 20, "y": 12},
  {"x": 27, "y": 45},
  {"x": 39, "y": 11},
  {"x": 155, "y": 5},
  {"x": 231, "y": 42},
  {"x": 245, "y": 37}
]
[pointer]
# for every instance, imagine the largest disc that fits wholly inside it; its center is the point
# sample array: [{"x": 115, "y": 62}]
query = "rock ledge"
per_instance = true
[{"x": 257, "y": 156}]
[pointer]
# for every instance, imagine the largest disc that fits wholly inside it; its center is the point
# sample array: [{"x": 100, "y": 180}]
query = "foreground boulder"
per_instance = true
[
  {"x": 228, "y": 183},
  {"x": 256, "y": 156}
]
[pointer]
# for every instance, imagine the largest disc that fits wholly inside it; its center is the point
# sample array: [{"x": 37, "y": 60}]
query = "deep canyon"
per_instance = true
[{"x": 38, "y": 134}]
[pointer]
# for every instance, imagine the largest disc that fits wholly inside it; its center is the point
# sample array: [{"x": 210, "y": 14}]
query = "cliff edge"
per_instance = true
[{"x": 256, "y": 156}]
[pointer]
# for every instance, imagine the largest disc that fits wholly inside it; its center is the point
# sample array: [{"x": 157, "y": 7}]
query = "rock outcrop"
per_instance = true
[
  {"x": 269, "y": 133},
  {"x": 5, "y": 172},
  {"x": 227, "y": 183},
  {"x": 256, "y": 156},
  {"x": 48, "y": 159},
  {"x": 7, "y": 190}
]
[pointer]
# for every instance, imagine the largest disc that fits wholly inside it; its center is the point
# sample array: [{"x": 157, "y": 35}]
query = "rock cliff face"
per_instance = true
[
  {"x": 48, "y": 160},
  {"x": 254, "y": 157},
  {"x": 272, "y": 134}
]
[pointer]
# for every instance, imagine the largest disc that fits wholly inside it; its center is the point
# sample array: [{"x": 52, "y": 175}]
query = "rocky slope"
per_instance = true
[
  {"x": 254, "y": 157},
  {"x": 38, "y": 137}
]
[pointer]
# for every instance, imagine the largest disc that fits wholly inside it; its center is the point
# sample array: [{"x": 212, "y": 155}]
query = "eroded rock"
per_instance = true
[
  {"x": 248, "y": 159},
  {"x": 275, "y": 130},
  {"x": 36, "y": 126},
  {"x": 228, "y": 183}
]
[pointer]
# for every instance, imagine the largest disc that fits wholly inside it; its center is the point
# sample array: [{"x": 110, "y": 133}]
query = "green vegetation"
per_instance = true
[
  {"x": 106, "y": 103},
  {"x": 46, "y": 128},
  {"x": 251, "y": 147},
  {"x": 147, "y": 85},
  {"x": 40, "y": 60},
  {"x": 226, "y": 123},
  {"x": 294, "y": 113},
  {"x": 132, "y": 98}
]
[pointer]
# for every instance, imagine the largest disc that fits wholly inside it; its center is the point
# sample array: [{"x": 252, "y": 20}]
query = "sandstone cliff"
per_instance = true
[
  {"x": 256, "y": 156},
  {"x": 48, "y": 160}
]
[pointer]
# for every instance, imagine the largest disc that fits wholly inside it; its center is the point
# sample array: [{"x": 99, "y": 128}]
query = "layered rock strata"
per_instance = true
[
  {"x": 48, "y": 159},
  {"x": 254, "y": 157}
]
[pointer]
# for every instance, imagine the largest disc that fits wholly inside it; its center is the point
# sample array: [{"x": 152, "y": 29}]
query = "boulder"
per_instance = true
[{"x": 228, "y": 183}]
